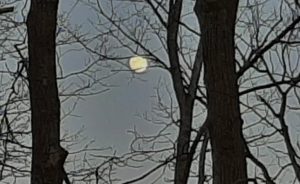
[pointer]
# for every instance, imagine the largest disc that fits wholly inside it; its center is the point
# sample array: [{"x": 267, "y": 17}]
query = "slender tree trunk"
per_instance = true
[
  {"x": 47, "y": 155},
  {"x": 217, "y": 24},
  {"x": 185, "y": 100}
]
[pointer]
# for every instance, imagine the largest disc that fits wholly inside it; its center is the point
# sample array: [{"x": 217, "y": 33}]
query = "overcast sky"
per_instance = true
[{"x": 108, "y": 117}]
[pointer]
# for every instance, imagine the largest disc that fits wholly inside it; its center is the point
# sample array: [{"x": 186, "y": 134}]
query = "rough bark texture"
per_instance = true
[
  {"x": 217, "y": 24},
  {"x": 47, "y": 155}
]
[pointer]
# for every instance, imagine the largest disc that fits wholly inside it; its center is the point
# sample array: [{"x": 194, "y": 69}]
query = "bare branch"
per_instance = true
[{"x": 6, "y": 10}]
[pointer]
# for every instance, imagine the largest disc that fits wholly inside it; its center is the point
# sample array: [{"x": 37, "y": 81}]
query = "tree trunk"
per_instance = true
[
  {"x": 217, "y": 24},
  {"x": 185, "y": 101},
  {"x": 47, "y": 155}
]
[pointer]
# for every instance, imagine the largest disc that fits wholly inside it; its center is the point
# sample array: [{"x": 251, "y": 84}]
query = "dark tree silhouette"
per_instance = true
[
  {"x": 241, "y": 61},
  {"x": 233, "y": 66},
  {"x": 217, "y": 25},
  {"x": 47, "y": 155}
]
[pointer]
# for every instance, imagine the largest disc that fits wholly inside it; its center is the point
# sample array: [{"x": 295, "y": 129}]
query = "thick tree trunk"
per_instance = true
[
  {"x": 217, "y": 24},
  {"x": 47, "y": 155}
]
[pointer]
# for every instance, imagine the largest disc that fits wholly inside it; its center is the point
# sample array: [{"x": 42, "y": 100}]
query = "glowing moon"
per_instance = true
[{"x": 138, "y": 64}]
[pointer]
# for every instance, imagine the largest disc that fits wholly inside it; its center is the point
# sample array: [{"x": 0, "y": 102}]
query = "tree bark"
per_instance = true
[
  {"x": 182, "y": 167},
  {"x": 185, "y": 99},
  {"x": 217, "y": 24},
  {"x": 47, "y": 155}
]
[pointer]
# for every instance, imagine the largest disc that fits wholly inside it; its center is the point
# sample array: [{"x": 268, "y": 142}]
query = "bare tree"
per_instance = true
[
  {"x": 217, "y": 24},
  {"x": 227, "y": 54},
  {"x": 15, "y": 109},
  {"x": 48, "y": 156},
  {"x": 234, "y": 80}
]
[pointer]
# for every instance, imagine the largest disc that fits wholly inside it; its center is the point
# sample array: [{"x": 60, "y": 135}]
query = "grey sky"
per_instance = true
[{"x": 107, "y": 117}]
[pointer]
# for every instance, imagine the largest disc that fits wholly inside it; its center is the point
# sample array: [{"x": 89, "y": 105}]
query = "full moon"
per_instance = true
[{"x": 138, "y": 64}]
